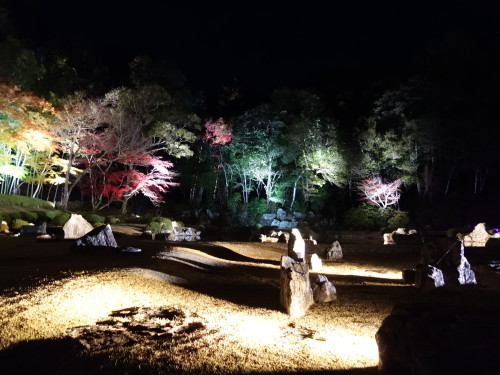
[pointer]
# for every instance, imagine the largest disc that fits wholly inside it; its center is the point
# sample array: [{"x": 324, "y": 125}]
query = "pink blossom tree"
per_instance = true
[{"x": 378, "y": 193}]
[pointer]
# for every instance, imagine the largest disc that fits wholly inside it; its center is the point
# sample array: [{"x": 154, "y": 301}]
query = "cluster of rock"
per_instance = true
[
  {"x": 402, "y": 236},
  {"x": 102, "y": 238},
  {"x": 297, "y": 291},
  {"x": 479, "y": 236},
  {"x": 184, "y": 234},
  {"x": 274, "y": 236},
  {"x": 282, "y": 220},
  {"x": 443, "y": 263}
]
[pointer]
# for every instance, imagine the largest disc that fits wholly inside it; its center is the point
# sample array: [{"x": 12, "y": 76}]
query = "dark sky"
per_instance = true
[{"x": 264, "y": 43}]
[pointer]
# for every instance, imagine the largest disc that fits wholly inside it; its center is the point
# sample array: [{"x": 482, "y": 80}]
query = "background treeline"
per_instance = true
[{"x": 130, "y": 134}]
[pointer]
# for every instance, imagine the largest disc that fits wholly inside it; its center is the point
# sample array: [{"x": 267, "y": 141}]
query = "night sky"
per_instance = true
[{"x": 305, "y": 44}]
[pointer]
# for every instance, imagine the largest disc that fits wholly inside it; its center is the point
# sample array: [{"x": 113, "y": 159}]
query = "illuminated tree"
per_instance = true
[
  {"x": 399, "y": 140},
  {"x": 378, "y": 193},
  {"x": 210, "y": 171},
  {"x": 122, "y": 156},
  {"x": 27, "y": 146},
  {"x": 256, "y": 151},
  {"x": 79, "y": 117}
]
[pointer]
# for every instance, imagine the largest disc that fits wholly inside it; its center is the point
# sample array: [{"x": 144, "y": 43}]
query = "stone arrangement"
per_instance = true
[
  {"x": 444, "y": 264},
  {"x": 478, "y": 237},
  {"x": 102, "y": 238},
  {"x": 298, "y": 289},
  {"x": 184, "y": 234}
]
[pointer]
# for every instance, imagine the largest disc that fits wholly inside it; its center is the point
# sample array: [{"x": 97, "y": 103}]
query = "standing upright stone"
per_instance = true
[
  {"x": 296, "y": 246},
  {"x": 314, "y": 262},
  {"x": 296, "y": 295},
  {"x": 428, "y": 277}
]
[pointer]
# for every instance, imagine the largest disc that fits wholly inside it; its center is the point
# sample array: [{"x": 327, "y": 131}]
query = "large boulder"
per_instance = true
[
  {"x": 76, "y": 227},
  {"x": 295, "y": 288},
  {"x": 98, "y": 237}
]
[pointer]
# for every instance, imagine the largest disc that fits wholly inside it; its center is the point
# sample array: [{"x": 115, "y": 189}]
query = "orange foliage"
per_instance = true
[{"x": 25, "y": 119}]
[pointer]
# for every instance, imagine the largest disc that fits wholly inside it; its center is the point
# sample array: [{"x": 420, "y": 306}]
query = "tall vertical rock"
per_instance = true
[{"x": 295, "y": 288}]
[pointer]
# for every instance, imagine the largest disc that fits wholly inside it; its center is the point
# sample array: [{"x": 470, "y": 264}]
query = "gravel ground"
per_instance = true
[{"x": 206, "y": 308}]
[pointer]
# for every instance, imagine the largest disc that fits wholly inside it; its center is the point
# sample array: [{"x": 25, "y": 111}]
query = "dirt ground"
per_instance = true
[{"x": 191, "y": 308}]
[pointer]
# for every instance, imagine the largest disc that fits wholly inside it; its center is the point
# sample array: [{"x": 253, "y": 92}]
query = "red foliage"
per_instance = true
[{"x": 217, "y": 132}]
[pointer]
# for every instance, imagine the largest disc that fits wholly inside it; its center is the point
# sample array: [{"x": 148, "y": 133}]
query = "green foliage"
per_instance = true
[
  {"x": 31, "y": 217},
  {"x": 5, "y": 217},
  {"x": 94, "y": 218},
  {"x": 112, "y": 220},
  {"x": 19, "y": 64},
  {"x": 18, "y": 223},
  {"x": 398, "y": 219},
  {"x": 95, "y": 225},
  {"x": 24, "y": 202},
  {"x": 159, "y": 225},
  {"x": 51, "y": 214},
  {"x": 60, "y": 219},
  {"x": 234, "y": 202},
  {"x": 363, "y": 217},
  {"x": 15, "y": 215},
  {"x": 178, "y": 224},
  {"x": 256, "y": 206},
  {"x": 370, "y": 217}
]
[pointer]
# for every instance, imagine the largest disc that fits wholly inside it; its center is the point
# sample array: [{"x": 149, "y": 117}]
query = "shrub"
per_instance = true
[
  {"x": 255, "y": 208},
  {"x": 26, "y": 202},
  {"x": 112, "y": 220},
  {"x": 51, "y": 214},
  {"x": 94, "y": 218},
  {"x": 159, "y": 225},
  {"x": 15, "y": 215},
  {"x": 31, "y": 217},
  {"x": 234, "y": 202},
  {"x": 61, "y": 219},
  {"x": 5, "y": 217},
  {"x": 95, "y": 225},
  {"x": 18, "y": 223},
  {"x": 398, "y": 219},
  {"x": 178, "y": 224},
  {"x": 363, "y": 217}
]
